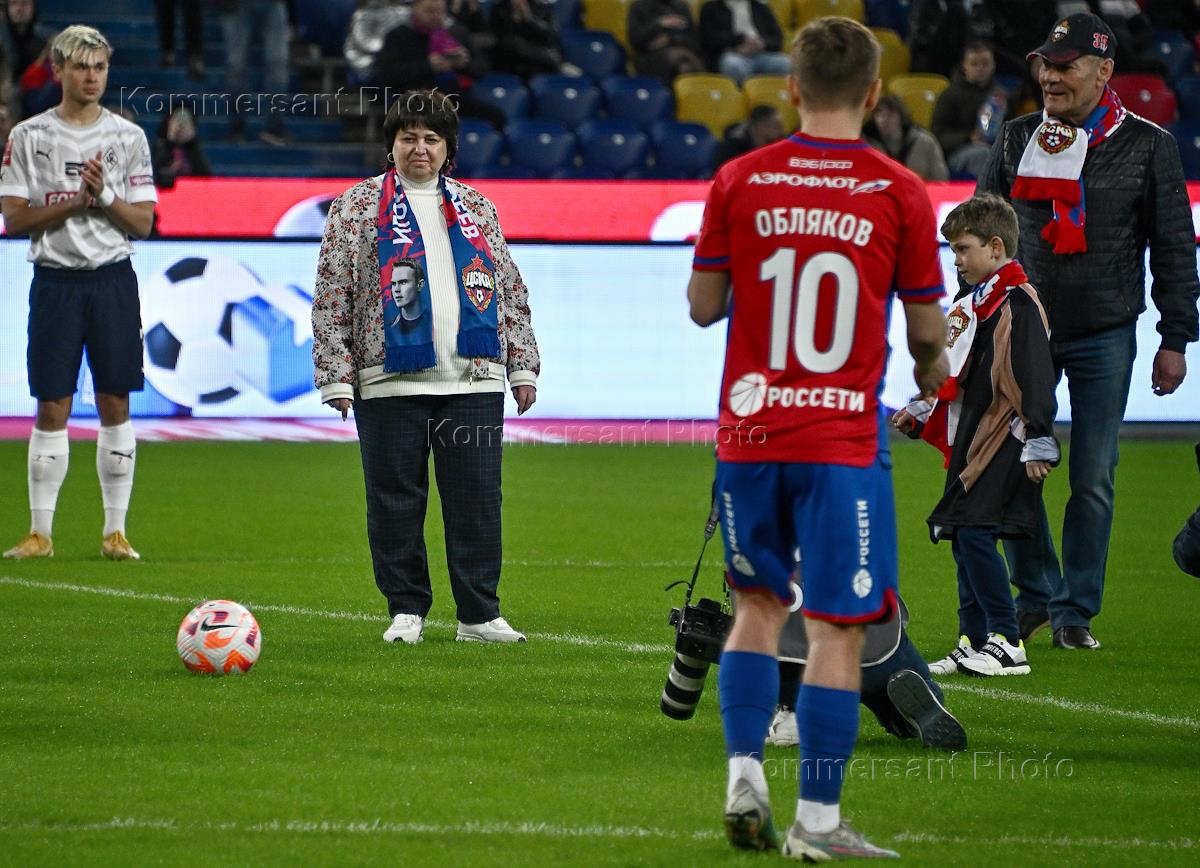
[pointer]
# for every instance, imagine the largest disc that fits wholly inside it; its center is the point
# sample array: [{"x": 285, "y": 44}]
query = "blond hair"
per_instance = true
[
  {"x": 75, "y": 40},
  {"x": 835, "y": 61},
  {"x": 986, "y": 216}
]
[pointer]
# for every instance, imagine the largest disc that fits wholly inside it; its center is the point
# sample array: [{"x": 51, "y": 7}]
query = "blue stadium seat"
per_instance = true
[
  {"x": 1173, "y": 49},
  {"x": 479, "y": 145},
  {"x": 543, "y": 146},
  {"x": 564, "y": 98},
  {"x": 642, "y": 99},
  {"x": 324, "y": 23},
  {"x": 1187, "y": 90},
  {"x": 504, "y": 91},
  {"x": 892, "y": 14},
  {"x": 682, "y": 150},
  {"x": 568, "y": 14},
  {"x": 582, "y": 173},
  {"x": 596, "y": 52},
  {"x": 1187, "y": 135},
  {"x": 616, "y": 146},
  {"x": 496, "y": 170}
]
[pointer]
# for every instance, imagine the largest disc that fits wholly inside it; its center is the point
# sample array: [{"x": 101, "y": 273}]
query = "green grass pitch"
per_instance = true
[{"x": 338, "y": 749}]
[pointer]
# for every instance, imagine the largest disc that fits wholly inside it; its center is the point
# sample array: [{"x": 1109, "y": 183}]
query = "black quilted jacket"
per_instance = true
[{"x": 1135, "y": 195}]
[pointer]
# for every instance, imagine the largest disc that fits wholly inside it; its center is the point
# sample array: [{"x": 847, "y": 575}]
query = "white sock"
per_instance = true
[
  {"x": 49, "y": 452},
  {"x": 116, "y": 454},
  {"x": 746, "y": 768},
  {"x": 817, "y": 817}
]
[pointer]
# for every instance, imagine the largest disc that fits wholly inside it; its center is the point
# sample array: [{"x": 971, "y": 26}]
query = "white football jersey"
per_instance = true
[{"x": 43, "y": 162}]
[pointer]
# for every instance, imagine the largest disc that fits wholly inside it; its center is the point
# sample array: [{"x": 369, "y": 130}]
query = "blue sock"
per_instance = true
[
  {"x": 749, "y": 686},
  {"x": 828, "y": 724}
]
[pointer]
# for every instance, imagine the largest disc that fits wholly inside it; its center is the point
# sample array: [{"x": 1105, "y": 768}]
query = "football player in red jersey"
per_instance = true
[{"x": 803, "y": 244}]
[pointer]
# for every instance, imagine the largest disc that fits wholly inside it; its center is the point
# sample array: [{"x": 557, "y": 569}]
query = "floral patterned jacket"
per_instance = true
[{"x": 347, "y": 315}]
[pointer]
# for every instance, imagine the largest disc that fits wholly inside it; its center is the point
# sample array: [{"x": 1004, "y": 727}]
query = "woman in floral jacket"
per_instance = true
[{"x": 420, "y": 313}]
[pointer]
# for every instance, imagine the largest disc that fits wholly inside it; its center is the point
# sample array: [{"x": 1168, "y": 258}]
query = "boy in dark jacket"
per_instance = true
[{"x": 993, "y": 419}]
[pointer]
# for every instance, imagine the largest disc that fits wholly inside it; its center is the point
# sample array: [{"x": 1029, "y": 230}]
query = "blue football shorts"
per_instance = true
[
  {"x": 70, "y": 310},
  {"x": 841, "y": 519}
]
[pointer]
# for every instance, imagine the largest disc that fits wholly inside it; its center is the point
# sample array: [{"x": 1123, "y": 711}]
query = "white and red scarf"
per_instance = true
[{"x": 1052, "y": 168}]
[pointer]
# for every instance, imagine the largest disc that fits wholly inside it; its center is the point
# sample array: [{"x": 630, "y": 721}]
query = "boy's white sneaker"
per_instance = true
[
  {"x": 997, "y": 657},
  {"x": 406, "y": 628},
  {"x": 949, "y": 664}
]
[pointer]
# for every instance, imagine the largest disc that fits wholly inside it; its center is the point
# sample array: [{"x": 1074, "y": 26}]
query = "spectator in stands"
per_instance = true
[
  {"x": 193, "y": 33},
  {"x": 240, "y": 19},
  {"x": 429, "y": 52},
  {"x": 938, "y": 29},
  {"x": 370, "y": 24},
  {"x": 472, "y": 17},
  {"x": 763, "y": 126},
  {"x": 890, "y": 129},
  {"x": 742, "y": 38},
  {"x": 527, "y": 39},
  {"x": 177, "y": 152},
  {"x": 22, "y": 38},
  {"x": 664, "y": 39},
  {"x": 39, "y": 89},
  {"x": 968, "y": 113}
]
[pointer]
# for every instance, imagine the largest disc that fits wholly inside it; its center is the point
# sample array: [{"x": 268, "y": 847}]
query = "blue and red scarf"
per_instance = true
[
  {"x": 408, "y": 332},
  {"x": 1052, "y": 167}
]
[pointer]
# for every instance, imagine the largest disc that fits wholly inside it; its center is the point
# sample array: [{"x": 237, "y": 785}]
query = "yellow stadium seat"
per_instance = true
[
  {"x": 805, "y": 11},
  {"x": 610, "y": 15},
  {"x": 771, "y": 90},
  {"x": 895, "y": 57},
  {"x": 783, "y": 16},
  {"x": 711, "y": 100},
  {"x": 919, "y": 92}
]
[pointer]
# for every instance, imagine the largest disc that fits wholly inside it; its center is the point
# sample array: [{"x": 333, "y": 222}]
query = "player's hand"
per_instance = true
[
  {"x": 524, "y": 396},
  {"x": 1037, "y": 470},
  {"x": 93, "y": 175},
  {"x": 903, "y": 421},
  {"x": 1170, "y": 368},
  {"x": 342, "y": 405},
  {"x": 81, "y": 201},
  {"x": 929, "y": 381}
]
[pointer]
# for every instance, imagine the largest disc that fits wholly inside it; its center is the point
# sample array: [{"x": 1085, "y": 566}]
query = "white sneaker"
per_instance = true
[
  {"x": 783, "y": 731},
  {"x": 405, "y": 628},
  {"x": 949, "y": 664},
  {"x": 495, "y": 630},
  {"x": 997, "y": 657}
]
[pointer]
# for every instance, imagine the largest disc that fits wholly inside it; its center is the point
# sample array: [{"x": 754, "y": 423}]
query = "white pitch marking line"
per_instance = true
[{"x": 591, "y": 642}]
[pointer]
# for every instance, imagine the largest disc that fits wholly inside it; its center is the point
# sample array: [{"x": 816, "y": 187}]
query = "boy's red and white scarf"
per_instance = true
[{"x": 1052, "y": 166}]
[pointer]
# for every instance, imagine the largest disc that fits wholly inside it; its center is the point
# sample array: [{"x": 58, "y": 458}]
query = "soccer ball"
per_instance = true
[
  {"x": 188, "y": 309},
  {"x": 219, "y": 637}
]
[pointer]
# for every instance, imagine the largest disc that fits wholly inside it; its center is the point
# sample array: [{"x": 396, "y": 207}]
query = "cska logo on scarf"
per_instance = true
[
  {"x": 1054, "y": 138},
  {"x": 478, "y": 283}
]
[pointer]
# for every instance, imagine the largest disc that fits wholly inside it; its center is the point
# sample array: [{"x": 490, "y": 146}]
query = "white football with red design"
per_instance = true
[{"x": 219, "y": 637}]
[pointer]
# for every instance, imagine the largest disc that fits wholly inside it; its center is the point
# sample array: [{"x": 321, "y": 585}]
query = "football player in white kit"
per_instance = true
[{"x": 77, "y": 180}]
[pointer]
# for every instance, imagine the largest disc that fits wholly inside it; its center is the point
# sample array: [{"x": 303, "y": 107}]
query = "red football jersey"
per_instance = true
[{"x": 816, "y": 235}]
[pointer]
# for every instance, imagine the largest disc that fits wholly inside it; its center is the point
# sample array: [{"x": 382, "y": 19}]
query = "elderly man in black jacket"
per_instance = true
[{"x": 1093, "y": 186}]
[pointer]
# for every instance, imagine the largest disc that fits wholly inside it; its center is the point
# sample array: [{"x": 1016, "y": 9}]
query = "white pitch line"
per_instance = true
[
  {"x": 1086, "y": 842},
  {"x": 1073, "y": 705}
]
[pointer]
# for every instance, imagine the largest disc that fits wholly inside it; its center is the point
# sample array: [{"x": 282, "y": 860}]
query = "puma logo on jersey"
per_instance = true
[{"x": 45, "y": 154}]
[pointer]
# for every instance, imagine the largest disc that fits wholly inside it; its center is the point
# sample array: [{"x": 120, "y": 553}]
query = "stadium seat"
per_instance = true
[
  {"x": 504, "y": 91},
  {"x": 582, "y": 173},
  {"x": 497, "y": 170},
  {"x": 614, "y": 146},
  {"x": 642, "y": 99},
  {"x": 479, "y": 145},
  {"x": 1187, "y": 135},
  {"x": 597, "y": 53},
  {"x": 324, "y": 23},
  {"x": 568, "y": 14},
  {"x": 683, "y": 150},
  {"x": 892, "y": 14},
  {"x": 786, "y": 18},
  {"x": 542, "y": 146},
  {"x": 712, "y": 100},
  {"x": 611, "y": 16},
  {"x": 1173, "y": 49},
  {"x": 1147, "y": 95},
  {"x": 1187, "y": 90},
  {"x": 895, "y": 57},
  {"x": 771, "y": 90},
  {"x": 805, "y": 11},
  {"x": 565, "y": 98},
  {"x": 919, "y": 91}
]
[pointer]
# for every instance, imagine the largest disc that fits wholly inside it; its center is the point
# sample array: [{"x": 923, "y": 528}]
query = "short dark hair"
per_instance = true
[
  {"x": 986, "y": 216},
  {"x": 425, "y": 108}
]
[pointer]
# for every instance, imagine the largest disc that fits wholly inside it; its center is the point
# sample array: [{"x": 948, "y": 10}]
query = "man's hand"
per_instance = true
[
  {"x": 1170, "y": 368},
  {"x": 929, "y": 381},
  {"x": 1037, "y": 470},
  {"x": 93, "y": 176},
  {"x": 903, "y": 421},
  {"x": 524, "y": 396},
  {"x": 342, "y": 405}
]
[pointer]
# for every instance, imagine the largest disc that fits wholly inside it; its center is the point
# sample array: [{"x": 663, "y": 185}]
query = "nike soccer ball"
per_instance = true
[{"x": 219, "y": 637}]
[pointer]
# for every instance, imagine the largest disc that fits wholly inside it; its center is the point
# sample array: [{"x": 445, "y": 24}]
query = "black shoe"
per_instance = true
[
  {"x": 1075, "y": 637},
  {"x": 1031, "y": 621},
  {"x": 920, "y": 707}
]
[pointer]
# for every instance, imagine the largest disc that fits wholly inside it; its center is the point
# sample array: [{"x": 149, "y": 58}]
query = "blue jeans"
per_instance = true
[
  {"x": 1098, "y": 369},
  {"x": 985, "y": 603}
]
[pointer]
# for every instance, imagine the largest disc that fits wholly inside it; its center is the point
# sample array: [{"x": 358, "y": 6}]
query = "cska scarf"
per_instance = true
[
  {"x": 404, "y": 281},
  {"x": 939, "y": 419},
  {"x": 1052, "y": 165}
]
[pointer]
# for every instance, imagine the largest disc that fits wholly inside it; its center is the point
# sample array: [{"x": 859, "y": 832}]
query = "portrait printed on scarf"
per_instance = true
[{"x": 407, "y": 293}]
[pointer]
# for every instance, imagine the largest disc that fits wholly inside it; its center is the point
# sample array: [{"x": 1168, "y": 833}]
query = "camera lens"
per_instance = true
[{"x": 685, "y": 682}]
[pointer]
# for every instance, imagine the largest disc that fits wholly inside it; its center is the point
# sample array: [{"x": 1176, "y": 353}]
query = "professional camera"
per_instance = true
[{"x": 699, "y": 637}]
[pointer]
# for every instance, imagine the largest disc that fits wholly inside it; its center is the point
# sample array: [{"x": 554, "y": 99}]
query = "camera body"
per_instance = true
[{"x": 700, "y": 632}]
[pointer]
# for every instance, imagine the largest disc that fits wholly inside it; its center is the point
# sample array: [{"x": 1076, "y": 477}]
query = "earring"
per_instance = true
[{"x": 391, "y": 160}]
